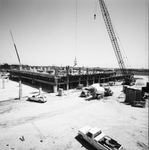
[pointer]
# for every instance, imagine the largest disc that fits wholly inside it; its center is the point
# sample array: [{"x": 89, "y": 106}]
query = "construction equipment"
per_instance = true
[
  {"x": 96, "y": 91},
  {"x": 20, "y": 66},
  {"x": 128, "y": 77}
]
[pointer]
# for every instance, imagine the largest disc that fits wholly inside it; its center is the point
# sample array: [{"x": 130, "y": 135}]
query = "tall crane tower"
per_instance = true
[{"x": 114, "y": 41}]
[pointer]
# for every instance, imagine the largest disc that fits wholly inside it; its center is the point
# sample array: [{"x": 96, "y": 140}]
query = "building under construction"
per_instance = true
[
  {"x": 64, "y": 77},
  {"x": 70, "y": 77}
]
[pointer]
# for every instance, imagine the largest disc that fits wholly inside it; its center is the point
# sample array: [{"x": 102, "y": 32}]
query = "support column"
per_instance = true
[
  {"x": 93, "y": 79},
  {"x": 3, "y": 83},
  {"x": 55, "y": 85},
  {"x": 40, "y": 90},
  {"x": 99, "y": 79},
  {"x": 79, "y": 79},
  {"x": 80, "y": 71},
  {"x": 20, "y": 89},
  {"x": 20, "y": 83},
  {"x": 30, "y": 68},
  {"x": 87, "y": 71},
  {"x": 45, "y": 69},
  {"x": 34, "y": 69},
  {"x": 87, "y": 84},
  {"x": 67, "y": 85},
  {"x": 54, "y": 88},
  {"x": 67, "y": 70}
]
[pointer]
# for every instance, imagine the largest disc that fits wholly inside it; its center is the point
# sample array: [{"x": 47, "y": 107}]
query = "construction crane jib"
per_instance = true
[{"x": 112, "y": 36}]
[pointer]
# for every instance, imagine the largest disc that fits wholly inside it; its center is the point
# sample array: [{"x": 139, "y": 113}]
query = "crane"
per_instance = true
[
  {"x": 20, "y": 66},
  {"x": 106, "y": 16}
]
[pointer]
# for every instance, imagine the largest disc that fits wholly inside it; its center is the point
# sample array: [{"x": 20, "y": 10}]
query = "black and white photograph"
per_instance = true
[{"x": 74, "y": 74}]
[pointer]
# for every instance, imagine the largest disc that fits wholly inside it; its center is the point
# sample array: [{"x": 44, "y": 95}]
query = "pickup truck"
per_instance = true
[
  {"x": 38, "y": 98},
  {"x": 98, "y": 139}
]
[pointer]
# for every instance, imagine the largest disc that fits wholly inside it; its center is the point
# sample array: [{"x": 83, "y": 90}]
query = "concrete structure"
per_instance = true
[{"x": 65, "y": 81}]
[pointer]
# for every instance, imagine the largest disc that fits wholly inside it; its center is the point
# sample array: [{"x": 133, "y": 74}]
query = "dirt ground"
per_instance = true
[{"x": 54, "y": 125}]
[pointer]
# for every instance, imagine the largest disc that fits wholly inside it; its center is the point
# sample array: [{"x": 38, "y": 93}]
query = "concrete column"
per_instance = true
[
  {"x": 20, "y": 90},
  {"x": 56, "y": 71},
  {"x": 55, "y": 88},
  {"x": 79, "y": 71},
  {"x": 34, "y": 69},
  {"x": 87, "y": 84},
  {"x": 55, "y": 85},
  {"x": 67, "y": 70},
  {"x": 93, "y": 70},
  {"x": 30, "y": 68},
  {"x": 99, "y": 80},
  {"x": 48, "y": 69},
  {"x": 93, "y": 80},
  {"x": 67, "y": 85},
  {"x": 79, "y": 79},
  {"x": 3, "y": 83},
  {"x": 87, "y": 70},
  {"x": 40, "y": 90},
  {"x": 45, "y": 69}
]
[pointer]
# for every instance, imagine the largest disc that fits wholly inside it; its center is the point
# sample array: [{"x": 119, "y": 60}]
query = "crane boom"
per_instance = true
[
  {"x": 112, "y": 36},
  {"x": 15, "y": 48},
  {"x": 20, "y": 67}
]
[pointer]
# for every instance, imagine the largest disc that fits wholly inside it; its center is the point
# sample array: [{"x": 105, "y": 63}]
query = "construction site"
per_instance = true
[{"x": 45, "y": 107}]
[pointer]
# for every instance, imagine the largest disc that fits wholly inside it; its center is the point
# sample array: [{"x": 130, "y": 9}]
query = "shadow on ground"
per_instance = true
[{"x": 84, "y": 143}]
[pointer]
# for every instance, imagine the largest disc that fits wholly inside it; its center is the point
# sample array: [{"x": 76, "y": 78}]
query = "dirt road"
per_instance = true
[{"x": 53, "y": 125}]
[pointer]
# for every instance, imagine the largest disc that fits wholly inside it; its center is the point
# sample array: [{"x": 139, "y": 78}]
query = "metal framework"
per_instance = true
[{"x": 112, "y": 36}]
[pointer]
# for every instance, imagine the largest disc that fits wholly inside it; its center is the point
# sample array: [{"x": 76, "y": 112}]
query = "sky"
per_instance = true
[{"x": 54, "y": 32}]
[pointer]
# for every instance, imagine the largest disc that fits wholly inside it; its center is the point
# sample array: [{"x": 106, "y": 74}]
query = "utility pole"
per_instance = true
[{"x": 20, "y": 66}]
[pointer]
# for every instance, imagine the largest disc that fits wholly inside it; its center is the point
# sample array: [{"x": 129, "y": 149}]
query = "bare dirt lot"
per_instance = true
[{"x": 54, "y": 125}]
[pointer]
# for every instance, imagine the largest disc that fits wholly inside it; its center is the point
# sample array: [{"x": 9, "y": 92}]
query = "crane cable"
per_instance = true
[
  {"x": 75, "y": 61},
  {"x": 95, "y": 9},
  {"x": 123, "y": 51}
]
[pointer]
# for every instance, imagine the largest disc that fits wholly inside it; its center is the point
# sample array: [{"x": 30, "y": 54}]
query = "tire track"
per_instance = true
[{"x": 11, "y": 123}]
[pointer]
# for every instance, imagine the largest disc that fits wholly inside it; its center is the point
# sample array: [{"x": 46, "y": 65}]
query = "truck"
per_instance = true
[
  {"x": 38, "y": 98},
  {"x": 99, "y": 140},
  {"x": 99, "y": 92}
]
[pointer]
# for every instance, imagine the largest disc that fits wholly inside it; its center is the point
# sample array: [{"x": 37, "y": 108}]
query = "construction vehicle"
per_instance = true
[
  {"x": 128, "y": 76},
  {"x": 96, "y": 91}
]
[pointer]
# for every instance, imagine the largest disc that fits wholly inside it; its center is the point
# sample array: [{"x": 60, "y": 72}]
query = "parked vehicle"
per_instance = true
[
  {"x": 96, "y": 91},
  {"x": 98, "y": 139},
  {"x": 38, "y": 98}
]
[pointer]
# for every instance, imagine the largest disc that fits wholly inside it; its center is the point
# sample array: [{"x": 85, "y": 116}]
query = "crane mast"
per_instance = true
[{"x": 112, "y": 36}]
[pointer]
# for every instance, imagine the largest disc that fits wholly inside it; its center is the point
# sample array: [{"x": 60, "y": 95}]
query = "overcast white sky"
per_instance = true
[{"x": 45, "y": 32}]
